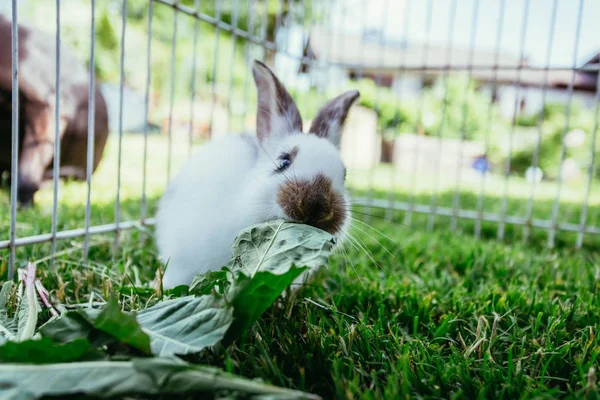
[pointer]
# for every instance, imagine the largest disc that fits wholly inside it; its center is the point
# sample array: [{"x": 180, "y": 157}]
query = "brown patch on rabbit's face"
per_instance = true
[{"x": 313, "y": 203}]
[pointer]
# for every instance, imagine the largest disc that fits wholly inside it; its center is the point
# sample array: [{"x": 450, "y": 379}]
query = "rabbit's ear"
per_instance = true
[
  {"x": 329, "y": 122},
  {"x": 277, "y": 113}
]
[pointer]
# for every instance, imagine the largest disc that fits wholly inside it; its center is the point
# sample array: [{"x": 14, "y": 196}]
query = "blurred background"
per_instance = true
[{"x": 477, "y": 116}]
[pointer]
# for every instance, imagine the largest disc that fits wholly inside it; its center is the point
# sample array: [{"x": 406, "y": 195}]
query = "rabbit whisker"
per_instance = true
[
  {"x": 358, "y": 246},
  {"x": 353, "y": 265},
  {"x": 371, "y": 236},
  {"x": 375, "y": 229},
  {"x": 384, "y": 218}
]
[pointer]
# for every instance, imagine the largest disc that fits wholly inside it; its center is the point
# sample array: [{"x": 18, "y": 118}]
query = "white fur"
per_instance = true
[{"x": 227, "y": 185}]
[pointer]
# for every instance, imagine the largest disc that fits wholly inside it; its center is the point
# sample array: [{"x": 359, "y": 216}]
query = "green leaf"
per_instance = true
[
  {"x": 251, "y": 297},
  {"x": 100, "y": 327},
  {"x": 263, "y": 265},
  {"x": 210, "y": 281},
  {"x": 141, "y": 377},
  {"x": 266, "y": 259},
  {"x": 277, "y": 245},
  {"x": 70, "y": 326},
  {"x": 177, "y": 291},
  {"x": 185, "y": 325},
  {"x": 122, "y": 326},
  {"x": 178, "y": 326},
  {"x": 8, "y": 326},
  {"x": 45, "y": 351},
  {"x": 5, "y": 294},
  {"x": 27, "y": 312}
]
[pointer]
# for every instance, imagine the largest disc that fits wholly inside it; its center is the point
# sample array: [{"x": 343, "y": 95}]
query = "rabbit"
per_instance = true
[
  {"x": 37, "y": 104},
  {"x": 239, "y": 180}
]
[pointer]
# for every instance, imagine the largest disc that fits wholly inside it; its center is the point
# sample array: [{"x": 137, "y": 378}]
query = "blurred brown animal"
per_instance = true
[{"x": 37, "y": 91}]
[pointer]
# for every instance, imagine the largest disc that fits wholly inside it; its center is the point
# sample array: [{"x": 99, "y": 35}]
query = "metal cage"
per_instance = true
[{"x": 330, "y": 45}]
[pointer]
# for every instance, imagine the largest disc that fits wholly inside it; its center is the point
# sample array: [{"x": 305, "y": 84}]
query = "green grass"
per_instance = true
[{"x": 443, "y": 316}]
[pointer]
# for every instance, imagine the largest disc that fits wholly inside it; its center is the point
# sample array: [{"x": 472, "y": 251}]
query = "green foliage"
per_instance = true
[
  {"x": 107, "y": 53},
  {"x": 450, "y": 108},
  {"x": 263, "y": 265},
  {"x": 46, "y": 351},
  {"x": 392, "y": 114},
  {"x": 251, "y": 296},
  {"x": 8, "y": 326},
  {"x": 21, "y": 327},
  {"x": 101, "y": 327},
  {"x": 218, "y": 281},
  {"x": 455, "y": 109},
  {"x": 76, "y": 325},
  {"x": 185, "y": 325},
  {"x": 118, "y": 379},
  {"x": 27, "y": 311},
  {"x": 123, "y": 327},
  {"x": 527, "y": 121},
  {"x": 554, "y": 123},
  {"x": 276, "y": 246}
]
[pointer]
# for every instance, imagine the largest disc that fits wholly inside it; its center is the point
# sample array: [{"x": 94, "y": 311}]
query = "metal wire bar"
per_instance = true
[
  {"x": 120, "y": 145},
  {"x": 193, "y": 83},
  {"x": 57, "y": 139},
  {"x": 474, "y": 215},
  {"x": 91, "y": 133},
  {"x": 269, "y": 45},
  {"x": 144, "y": 203},
  {"x": 327, "y": 65},
  {"x": 428, "y": 20},
  {"x": 465, "y": 115},
  {"x": 305, "y": 18},
  {"x": 376, "y": 203},
  {"x": 480, "y": 199},
  {"x": 234, "y": 22},
  {"x": 359, "y": 71},
  {"x": 286, "y": 21},
  {"x": 552, "y": 229},
  {"x": 540, "y": 120},
  {"x": 584, "y": 209},
  {"x": 289, "y": 20},
  {"x": 263, "y": 32},
  {"x": 476, "y": 67},
  {"x": 516, "y": 87},
  {"x": 436, "y": 184},
  {"x": 344, "y": 24},
  {"x": 392, "y": 193},
  {"x": 374, "y": 68},
  {"x": 215, "y": 21},
  {"x": 172, "y": 95},
  {"x": 378, "y": 80},
  {"x": 246, "y": 94},
  {"x": 214, "y": 68},
  {"x": 76, "y": 233},
  {"x": 278, "y": 18},
  {"x": 14, "y": 139}
]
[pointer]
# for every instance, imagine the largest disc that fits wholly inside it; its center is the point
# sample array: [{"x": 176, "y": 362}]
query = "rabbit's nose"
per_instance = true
[
  {"x": 313, "y": 202},
  {"x": 314, "y": 208}
]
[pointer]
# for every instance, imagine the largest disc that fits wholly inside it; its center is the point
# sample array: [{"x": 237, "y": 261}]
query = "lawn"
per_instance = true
[{"x": 404, "y": 312}]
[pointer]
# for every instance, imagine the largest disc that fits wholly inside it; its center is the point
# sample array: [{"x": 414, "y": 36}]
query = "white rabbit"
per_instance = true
[{"x": 238, "y": 180}]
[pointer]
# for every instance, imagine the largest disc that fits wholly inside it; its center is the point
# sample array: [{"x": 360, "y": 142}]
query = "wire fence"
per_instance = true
[{"x": 418, "y": 178}]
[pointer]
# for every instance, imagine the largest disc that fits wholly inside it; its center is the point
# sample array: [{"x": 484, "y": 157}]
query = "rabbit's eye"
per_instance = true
[
  {"x": 284, "y": 164},
  {"x": 286, "y": 159}
]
